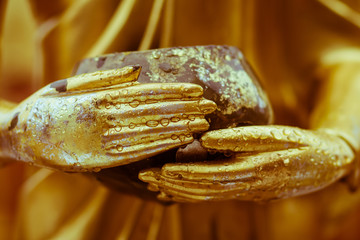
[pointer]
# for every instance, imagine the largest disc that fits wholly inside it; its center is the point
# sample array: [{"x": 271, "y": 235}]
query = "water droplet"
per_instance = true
[
  {"x": 297, "y": 132},
  {"x": 164, "y": 122},
  {"x": 275, "y": 134},
  {"x": 228, "y": 154},
  {"x": 174, "y": 137},
  {"x": 220, "y": 141},
  {"x": 191, "y": 117},
  {"x": 156, "y": 54},
  {"x": 152, "y": 123},
  {"x": 255, "y": 135},
  {"x": 77, "y": 108},
  {"x": 212, "y": 151},
  {"x": 112, "y": 131},
  {"x": 124, "y": 92},
  {"x": 186, "y": 90},
  {"x": 237, "y": 149},
  {"x": 182, "y": 137},
  {"x": 107, "y": 105},
  {"x": 175, "y": 119},
  {"x": 118, "y": 106},
  {"x": 240, "y": 195},
  {"x": 134, "y": 103},
  {"x": 132, "y": 125},
  {"x": 108, "y": 97},
  {"x": 263, "y": 136},
  {"x": 286, "y": 161},
  {"x": 118, "y": 128},
  {"x": 119, "y": 148},
  {"x": 287, "y": 131},
  {"x": 292, "y": 138}
]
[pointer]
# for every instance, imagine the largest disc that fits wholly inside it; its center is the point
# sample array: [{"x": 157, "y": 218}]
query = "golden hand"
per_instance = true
[
  {"x": 103, "y": 119},
  {"x": 266, "y": 162}
]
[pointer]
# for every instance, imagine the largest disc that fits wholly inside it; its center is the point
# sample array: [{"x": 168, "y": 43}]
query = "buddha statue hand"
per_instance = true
[
  {"x": 257, "y": 163},
  {"x": 102, "y": 119}
]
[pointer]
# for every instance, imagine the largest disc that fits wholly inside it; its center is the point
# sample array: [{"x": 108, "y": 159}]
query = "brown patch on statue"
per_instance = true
[
  {"x": 100, "y": 62},
  {"x": 60, "y": 85},
  {"x": 14, "y": 121}
]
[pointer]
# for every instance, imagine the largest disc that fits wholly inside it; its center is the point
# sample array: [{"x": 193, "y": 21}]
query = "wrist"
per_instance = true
[
  {"x": 7, "y": 123},
  {"x": 353, "y": 178}
]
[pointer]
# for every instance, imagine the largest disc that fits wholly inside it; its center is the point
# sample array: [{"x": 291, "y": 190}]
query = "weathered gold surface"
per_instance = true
[
  {"x": 221, "y": 70},
  {"x": 305, "y": 52},
  {"x": 265, "y": 162},
  {"x": 226, "y": 79},
  {"x": 103, "y": 119}
]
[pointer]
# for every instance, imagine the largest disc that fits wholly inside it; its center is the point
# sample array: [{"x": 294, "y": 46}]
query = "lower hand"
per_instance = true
[{"x": 266, "y": 162}]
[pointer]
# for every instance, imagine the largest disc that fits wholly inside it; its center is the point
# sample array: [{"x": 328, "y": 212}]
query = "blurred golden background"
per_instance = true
[{"x": 289, "y": 44}]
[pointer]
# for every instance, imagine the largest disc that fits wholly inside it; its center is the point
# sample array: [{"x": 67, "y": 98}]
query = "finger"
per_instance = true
[
  {"x": 258, "y": 138},
  {"x": 175, "y": 196},
  {"x": 158, "y": 181},
  {"x": 192, "y": 191},
  {"x": 137, "y": 134},
  {"x": 121, "y": 155},
  {"x": 264, "y": 176},
  {"x": 96, "y": 80},
  {"x": 150, "y": 93},
  {"x": 163, "y": 111},
  {"x": 245, "y": 168}
]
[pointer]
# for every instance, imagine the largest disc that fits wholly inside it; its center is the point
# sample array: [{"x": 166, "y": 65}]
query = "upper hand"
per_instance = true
[{"x": 105, "y": 119}]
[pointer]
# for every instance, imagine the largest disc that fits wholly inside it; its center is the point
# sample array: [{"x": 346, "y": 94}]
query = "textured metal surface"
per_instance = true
[
  {"x": 262, "y": 163},
  {"x": 104, "y": 119},
  {"x": 226, "y": 79},
  {"x": 220, "y": 70}
]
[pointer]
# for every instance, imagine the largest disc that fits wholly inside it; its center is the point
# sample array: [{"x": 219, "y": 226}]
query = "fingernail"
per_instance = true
[
  {"x": 192, "y": 90},
  {"x": 207, "y": 106},
  {"x": 149, "y": 175},
  {"x": 153, "y": 187},
  {"x": 164, "y": 197},
  {"x": 173, "y": 170},
  {"x": 198, "y": 125}
]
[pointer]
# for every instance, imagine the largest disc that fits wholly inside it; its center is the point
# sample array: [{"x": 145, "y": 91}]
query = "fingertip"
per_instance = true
[
  {"x": 100, "y": 79},
  {"x": 153, "y": 187},
  {"x": 164, "y": 197},
  {"x": 198, "y": 125},
  {"x": 191, "y": 90},
  {"x": 173, "y": 170},
  {"x": 207, "y": 106},
  {"x": 149, "y": 175}
]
